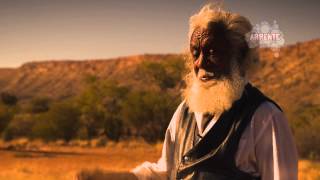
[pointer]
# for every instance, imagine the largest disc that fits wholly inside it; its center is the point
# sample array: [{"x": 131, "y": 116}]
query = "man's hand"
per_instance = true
[{"x": 105, "y": 175}]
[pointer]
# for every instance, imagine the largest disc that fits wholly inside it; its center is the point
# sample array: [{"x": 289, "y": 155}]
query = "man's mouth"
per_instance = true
[{"x": 207, "y": 76}]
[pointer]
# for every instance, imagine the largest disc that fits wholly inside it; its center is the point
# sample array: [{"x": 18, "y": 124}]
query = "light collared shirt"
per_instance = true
[{"x": 266, "y": 147}]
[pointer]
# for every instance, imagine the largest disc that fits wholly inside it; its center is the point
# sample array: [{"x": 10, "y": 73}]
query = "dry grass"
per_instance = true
[
  {"x": 309, "y": 170},
  {"x": 61, "y": 162},
  {"x": 57, "y": 163}
]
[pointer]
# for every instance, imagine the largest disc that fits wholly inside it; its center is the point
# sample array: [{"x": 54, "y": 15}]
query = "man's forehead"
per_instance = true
[
  {"x": 215, "y": 31},
  {"x": 199, "y": 34}
]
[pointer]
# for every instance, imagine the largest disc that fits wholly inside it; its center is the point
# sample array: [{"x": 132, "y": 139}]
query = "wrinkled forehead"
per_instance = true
[
  {"x": 213, "y": 31},
  {"x": 199, "y": 34}
]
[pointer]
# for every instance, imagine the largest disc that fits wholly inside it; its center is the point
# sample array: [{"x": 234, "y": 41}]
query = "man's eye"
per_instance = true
[
  {"x": 212, "y": 56},
  {"x": 195, "y": 53}
]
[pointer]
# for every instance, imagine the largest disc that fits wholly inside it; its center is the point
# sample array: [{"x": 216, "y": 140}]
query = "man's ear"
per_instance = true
[{"x": 251, "y": 63}]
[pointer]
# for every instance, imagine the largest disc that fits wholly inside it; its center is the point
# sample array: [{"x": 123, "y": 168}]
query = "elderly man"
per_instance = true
[{"x": 225, "y": 129}]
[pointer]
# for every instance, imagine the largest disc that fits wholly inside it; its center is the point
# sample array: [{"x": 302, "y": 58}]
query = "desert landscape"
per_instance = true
[
  {"x": 64, "y": 162},
  {"x": 64, "y": 93},
  {"x": 88, "y": 88},
  {"x": 54, "y": 162}
]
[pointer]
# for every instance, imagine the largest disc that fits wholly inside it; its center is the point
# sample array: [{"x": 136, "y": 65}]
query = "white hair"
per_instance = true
[
  {"x": 237, "y": 27},
  {"x": 218, "y": 95},
  {"x": 215, "y": 97}
]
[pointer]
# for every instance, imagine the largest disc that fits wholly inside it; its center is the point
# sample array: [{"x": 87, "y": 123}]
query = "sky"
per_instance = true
[{"x": 35, "y": 30}]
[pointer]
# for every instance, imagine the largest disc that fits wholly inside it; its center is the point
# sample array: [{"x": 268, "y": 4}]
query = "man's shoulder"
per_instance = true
[
  {"x": 267, "y": 112},
  {"x": 262, "y": 100},
  {"x": 182, "y": 106},
  {"x": 268, "y": 107},
  {"x": 178, "y": 113}
]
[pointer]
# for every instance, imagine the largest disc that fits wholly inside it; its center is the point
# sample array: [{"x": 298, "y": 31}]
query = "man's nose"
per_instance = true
[{"x": 199, "y": 63}]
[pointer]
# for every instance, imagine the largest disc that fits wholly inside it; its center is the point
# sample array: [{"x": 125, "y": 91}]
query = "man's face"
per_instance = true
[{"x": 211, "y": 52}]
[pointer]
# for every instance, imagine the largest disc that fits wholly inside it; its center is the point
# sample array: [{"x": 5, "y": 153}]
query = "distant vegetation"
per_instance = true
[
  {"x": 306, "y": 127},
  {"x": 103, "y": 108},
  {"x": 136, "y": 98}
]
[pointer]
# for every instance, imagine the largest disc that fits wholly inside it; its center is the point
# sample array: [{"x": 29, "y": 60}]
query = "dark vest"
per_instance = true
[{"x": 213, "y": 157}]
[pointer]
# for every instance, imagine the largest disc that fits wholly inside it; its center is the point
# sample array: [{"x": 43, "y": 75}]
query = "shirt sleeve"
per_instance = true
[
  {"x": 158, "y": 170},
  {"x": 275, "y": 149}
]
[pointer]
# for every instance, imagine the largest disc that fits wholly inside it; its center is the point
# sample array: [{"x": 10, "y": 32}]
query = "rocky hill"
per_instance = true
[
  {"x": 60, "y": 79},
  {"x": 291, "y": 79}
]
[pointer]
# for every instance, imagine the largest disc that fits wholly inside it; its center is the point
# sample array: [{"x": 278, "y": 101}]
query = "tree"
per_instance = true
[
  {"x": 148, "y": 113},
  {"x": 307, "y": 120},
  {"x": 166, "y": 74},
  {"x": 63, "y": 121},
  {"x": 20, "y": 126},
  {"x": 6, "y": 115},
  {"x": 113, "y": 127},
  {"x": 98, "y": 104}
]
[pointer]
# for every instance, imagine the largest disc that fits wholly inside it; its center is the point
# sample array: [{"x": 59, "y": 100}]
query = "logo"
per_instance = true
[{"x": 266, "y": 35}]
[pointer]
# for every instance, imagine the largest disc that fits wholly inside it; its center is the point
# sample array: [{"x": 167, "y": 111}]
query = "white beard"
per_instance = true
[{"x": 215, "y": 96}]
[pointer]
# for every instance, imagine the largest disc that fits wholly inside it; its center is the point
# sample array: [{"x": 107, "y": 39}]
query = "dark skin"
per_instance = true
[{"x": 211, "y": 51}]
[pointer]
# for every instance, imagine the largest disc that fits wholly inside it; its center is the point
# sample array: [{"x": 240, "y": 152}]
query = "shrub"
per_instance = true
[
  {"x": 166, "y": 74},
  {"x": 20, "y": 126},
  {"x": 148, "y": 113},
  {"x": 65, "y": 119},
  {"x": 5, "y": 116},
  {"x": 307, "y": 120},
  {"x": 98, "y": 104},
  {"x": 113, "y": 127},
  {"x": 62, "y": 121},
  {"x": 44, "y": 128}
]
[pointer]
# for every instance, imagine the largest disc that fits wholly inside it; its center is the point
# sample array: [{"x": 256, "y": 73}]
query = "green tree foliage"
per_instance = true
[
  {"x": 106, "y": 108},
  {"x": 112, "y": 102},
  {"x": 100, "y": 105},
  {"x": 65, "y": 119},
  {"x": 62, "y": 121},
  {"x": 6, "y": 114},
  {"x": 20, "y": 126},
  {"x": 148, "y": 113},
  {"x": 44, "y": 127},
  {"x": 91, "y": 108},
  {"x": 165, "y": 74},
  {"x": 113, "y": 126}
]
